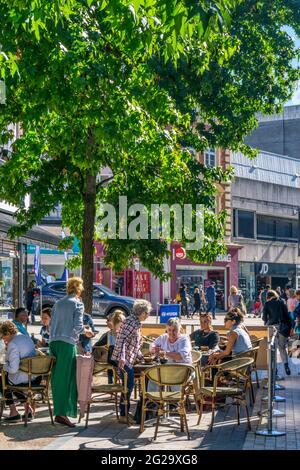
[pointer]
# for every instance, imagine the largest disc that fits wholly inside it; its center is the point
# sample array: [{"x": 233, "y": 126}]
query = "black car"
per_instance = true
[{"x": 105, "y": 301}]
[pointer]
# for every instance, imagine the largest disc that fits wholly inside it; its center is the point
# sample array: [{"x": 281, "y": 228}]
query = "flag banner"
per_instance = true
[{"x": 37, "y": 266}]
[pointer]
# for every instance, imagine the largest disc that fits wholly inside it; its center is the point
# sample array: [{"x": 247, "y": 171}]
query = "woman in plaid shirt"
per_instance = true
[{"x": 127, "y": 347}]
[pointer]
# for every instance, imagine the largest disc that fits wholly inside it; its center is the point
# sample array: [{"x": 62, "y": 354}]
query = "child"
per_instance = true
[
  {"x": 85, "y": 339},
  {"x": 257, "y": 307},
  {"x": 114, "y": 323},
  {"x": 45, "y": 330}
]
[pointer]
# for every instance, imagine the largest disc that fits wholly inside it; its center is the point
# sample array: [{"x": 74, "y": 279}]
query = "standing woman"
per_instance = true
[
  {"x": 197, "y": 301},
  {"x": 65, "y": 328}
]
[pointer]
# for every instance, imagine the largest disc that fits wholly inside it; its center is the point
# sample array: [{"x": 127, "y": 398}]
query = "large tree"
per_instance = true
[{"x": 132, "y": 85}]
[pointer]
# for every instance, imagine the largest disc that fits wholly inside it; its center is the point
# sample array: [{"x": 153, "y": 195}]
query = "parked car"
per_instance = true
[{"x": 105, "y": 301}]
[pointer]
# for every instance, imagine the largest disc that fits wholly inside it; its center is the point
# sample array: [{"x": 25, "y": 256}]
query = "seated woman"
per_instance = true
[
  {"x": 176, "y": 345},
  {"x": 238, "y": 339},
  {"x": 206, "y": 336},
  {"x": 18, "y": 347},
  {"x": 114, "y": 322}
]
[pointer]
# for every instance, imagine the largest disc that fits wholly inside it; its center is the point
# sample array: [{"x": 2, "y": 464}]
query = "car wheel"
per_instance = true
[{"x": 120, "y": 309}]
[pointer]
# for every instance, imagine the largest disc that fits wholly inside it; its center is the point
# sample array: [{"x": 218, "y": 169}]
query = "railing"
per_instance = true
[{"x": 270, "y": 412}]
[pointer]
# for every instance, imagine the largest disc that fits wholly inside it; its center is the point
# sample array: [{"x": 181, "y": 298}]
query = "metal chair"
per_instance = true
[
  {"x": 238, "y": 369},
  {"x": 164, "y": 376},
  {"x": 40, "y": 365}
]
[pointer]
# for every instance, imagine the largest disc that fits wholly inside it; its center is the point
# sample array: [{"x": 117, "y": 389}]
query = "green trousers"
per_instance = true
[{"x": 63, "y": 379}]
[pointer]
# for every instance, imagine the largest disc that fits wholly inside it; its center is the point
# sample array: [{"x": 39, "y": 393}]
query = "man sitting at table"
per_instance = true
[
  {"x": 206, "y": 337},
  {"x": 18, "y": 347}
]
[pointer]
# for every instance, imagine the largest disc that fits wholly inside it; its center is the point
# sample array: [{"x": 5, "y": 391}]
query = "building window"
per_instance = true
[
  {"x": 210, "y": 157},
  {"x": 244, "y": 224},
  {"x": 271, "y": 228},
  {"x": 266, "y": 228}
]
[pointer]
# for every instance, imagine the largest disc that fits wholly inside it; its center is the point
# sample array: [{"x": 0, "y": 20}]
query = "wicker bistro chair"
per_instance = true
[
  {"x": 37, "y": 365},
  {"x": 238, "y": 369},
  {"x": 256, "y": 343},
  {"x": 253, "y": 353},
  {"x": 165, "y": 376},
  {"x": 101, "y": 390},
  {"x": 194, "y": 384}
]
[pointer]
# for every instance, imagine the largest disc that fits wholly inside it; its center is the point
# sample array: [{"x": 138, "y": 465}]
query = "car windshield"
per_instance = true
[{"x": 105, "y": 289}]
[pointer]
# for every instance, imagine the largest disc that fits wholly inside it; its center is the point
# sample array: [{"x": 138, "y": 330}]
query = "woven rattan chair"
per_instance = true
[
  {"x": 194, "y": 383},
  {"x": 100, "y": 390},
  {"x": 253, "y": 352},
  {"x": 256, "y": 343},
  {"x": 237, "y": 369},
  {"x": 165, "y": 376},
  {"x": 40, "y": 365}
]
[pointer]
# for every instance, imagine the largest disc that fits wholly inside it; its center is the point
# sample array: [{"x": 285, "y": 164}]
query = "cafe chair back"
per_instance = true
[
  {"x": 230, "y": 382},
  {"x": 40, "y": 365},
  {"x": 107, "y": 385},
  {"x": 171, "y": 381}
]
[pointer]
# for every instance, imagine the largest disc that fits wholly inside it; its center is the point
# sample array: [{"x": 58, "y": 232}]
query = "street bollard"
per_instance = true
[{"x": 271, "y": 354}]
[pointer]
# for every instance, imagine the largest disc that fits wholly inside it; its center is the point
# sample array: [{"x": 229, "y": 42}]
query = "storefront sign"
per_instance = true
[
  {"x": 142, "y": 283},
  {"x": 224, "y": 258},
  {"x": 167, "y": 311},
  {"x": 180, "y": 253},
  {"x": 264, "y": 269}
]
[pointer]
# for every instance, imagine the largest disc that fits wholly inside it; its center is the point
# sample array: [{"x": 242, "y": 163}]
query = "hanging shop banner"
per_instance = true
[{"x": 142, "y": 283}]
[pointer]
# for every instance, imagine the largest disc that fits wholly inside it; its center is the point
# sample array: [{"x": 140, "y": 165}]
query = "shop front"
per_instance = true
[
  {"x": 255, "y": 276},
  {"x": 135, "y": 282},
  {"x": 224, "y": 272}
]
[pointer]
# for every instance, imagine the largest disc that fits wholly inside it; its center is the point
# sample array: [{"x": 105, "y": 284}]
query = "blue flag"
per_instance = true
[{"x": 37, "y": 266}]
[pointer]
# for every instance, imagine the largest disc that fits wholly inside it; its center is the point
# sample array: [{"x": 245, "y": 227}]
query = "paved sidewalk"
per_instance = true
[{"x": 289, "y": 424}]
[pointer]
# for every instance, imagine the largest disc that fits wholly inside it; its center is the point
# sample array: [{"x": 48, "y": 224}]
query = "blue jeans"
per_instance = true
[
  {"x": 130, "y": 385},
  {"x": 211, "y": 308}
]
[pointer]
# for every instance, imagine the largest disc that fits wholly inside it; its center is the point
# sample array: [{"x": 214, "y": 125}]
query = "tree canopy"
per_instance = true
[{"x": 133, "y": 85}]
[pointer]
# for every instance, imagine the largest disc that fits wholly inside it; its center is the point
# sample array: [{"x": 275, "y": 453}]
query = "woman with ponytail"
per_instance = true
[{"x": 238, "y": 339}]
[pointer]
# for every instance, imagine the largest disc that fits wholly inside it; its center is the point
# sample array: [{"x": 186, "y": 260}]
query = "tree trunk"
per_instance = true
[{"x": 88, "y": 241}]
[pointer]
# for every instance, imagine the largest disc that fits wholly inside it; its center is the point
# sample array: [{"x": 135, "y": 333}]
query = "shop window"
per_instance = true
[
  {"x": 271, "y": 228},
  {"x": 6, "y": 281},
  {"x": 210, "y": 157},
  {"x": 244, "y": 224}
]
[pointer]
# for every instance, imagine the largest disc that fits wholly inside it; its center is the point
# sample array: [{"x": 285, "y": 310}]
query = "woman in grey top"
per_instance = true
[
  {"x": 238, "y": 339},
  {"x": 65, "y": 327}
]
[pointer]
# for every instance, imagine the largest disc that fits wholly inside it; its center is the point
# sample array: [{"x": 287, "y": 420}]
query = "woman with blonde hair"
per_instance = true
[
  {"x": 236, "y": 300},
  {"x": 65, "y": 328}
]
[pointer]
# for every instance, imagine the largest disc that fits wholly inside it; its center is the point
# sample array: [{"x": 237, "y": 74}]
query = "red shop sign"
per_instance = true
[
  {"x": 180, "y": 253},
  {"x": 142, "y": 283}
]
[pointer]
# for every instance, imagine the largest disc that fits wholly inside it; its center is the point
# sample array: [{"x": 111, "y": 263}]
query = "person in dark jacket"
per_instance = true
[
  {"x": 276, "y": 314},
  {"x": 211, "y": 299}
]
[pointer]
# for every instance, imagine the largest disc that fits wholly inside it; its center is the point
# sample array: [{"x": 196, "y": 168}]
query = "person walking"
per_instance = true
[
  {"x": 184, "y": 302},
  {"x": 65, "y": 328},
  {"x": 236, "y": 300},
  {"x": 127, "y": 349},
  {"x": 197, "y": 301},
  {"x": 263, "y": 295},
  {"x": 275, "y": 313},
  {"x": 31, "y": 292},
  {"x": 211, "y": 299}
]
